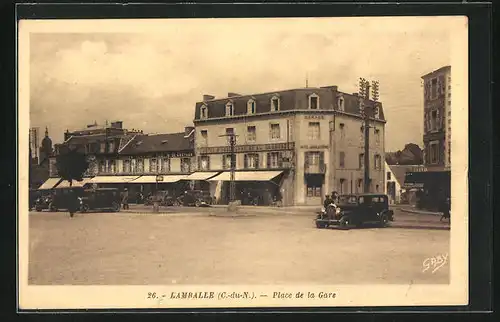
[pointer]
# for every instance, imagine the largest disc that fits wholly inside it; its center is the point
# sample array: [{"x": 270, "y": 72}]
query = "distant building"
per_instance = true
[
  {"x": 396, "y": 189},
  {"x": 435, "y": 176},
  {"x": 437, "y": 119},
  {"x": 39, "y": 160},
  {"x": 296, "y": 145}
]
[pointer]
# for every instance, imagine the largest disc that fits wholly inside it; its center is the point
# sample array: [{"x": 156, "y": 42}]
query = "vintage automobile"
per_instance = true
[
  {"x": 44, "y": 202},
  {"x": 165, "y": 198},
  {"x": 356, "y": 210},
  {"x": 197, "y": 198},
  {"x": 100, "y": 199}
]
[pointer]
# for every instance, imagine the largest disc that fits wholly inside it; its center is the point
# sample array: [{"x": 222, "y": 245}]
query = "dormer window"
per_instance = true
[
  {"x": 275, "y": 103},
  {"x": 376, "y": 111},
  {"x": 340, "y": 103},
  {"x": 251, "y": 107},
  {"x": 203, "y": 112},
  {"x": 229, "y": 109},
  {"x": 313, "y": 102}
]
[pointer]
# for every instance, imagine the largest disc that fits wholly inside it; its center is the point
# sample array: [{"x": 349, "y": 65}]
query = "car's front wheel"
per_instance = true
[
  {"x": 116, "y": 207},
  {"x": 84, "y": 208},
  {"x": 345, "y": 222}
]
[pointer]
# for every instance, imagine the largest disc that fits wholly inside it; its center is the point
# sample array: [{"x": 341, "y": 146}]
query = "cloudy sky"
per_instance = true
[{"x": 151, "y": 74}]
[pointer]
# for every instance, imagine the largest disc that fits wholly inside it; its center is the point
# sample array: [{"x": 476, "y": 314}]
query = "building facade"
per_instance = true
[
  {"x": 437, "y": 119},
  {"x": 298, "y": 145},
  {"x": 131, "y": 159}
]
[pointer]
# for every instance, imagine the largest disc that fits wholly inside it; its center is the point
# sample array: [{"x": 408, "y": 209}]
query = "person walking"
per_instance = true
[
  {"x": 445, "y": 209},
  {"x": 125, "y": 199},
  {"x": 73, "y": 203}
]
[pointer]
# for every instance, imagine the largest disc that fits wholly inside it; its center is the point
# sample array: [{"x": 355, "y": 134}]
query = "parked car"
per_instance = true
[
  {"x": 44, "y": 202},
  {"x": 356, "y": 210},
  {"x": 61, "y": 197},
  {"x": 100, "y": 199},
  {"x": 197, "y": 198}
]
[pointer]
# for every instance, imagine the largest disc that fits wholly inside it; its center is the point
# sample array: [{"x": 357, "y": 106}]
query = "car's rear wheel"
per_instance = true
[
  {"x": 116, "y": 207},
  {"x": 52, "y": 207},
  {"x": 384, "y": 220},
  {"x": 197, "y": 203}
]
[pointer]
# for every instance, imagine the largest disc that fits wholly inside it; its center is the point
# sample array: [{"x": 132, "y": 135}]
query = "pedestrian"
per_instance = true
[
  {"x": 445, "y": 209},
  {"x": 125, "y": 199},
  {"x": 335, "y": 197},
  {"x": 73, "y": 203}
]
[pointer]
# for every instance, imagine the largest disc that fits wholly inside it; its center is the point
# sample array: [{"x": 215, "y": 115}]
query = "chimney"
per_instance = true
[
  {"x": 117, "y": 125},
  {"x": 230, "y": 94},
  {"x": 188, "y": 130},
  {"x": 208, "y": 98},
  {"x": 333, "y": 87}
]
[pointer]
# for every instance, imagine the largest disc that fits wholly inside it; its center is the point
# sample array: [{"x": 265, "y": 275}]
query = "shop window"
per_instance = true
[{"x": 314, "y": 191}]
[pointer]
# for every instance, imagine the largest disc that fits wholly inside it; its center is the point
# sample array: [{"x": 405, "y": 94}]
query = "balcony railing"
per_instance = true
[{"x": 315, "y": 168}]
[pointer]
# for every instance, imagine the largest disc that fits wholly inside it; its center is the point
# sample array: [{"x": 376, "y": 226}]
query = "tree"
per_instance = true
[{"x": 71, "y": 165}]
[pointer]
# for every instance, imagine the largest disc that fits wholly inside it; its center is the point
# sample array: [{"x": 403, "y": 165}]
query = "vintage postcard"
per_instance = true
[{"x": 224, "y": 163}]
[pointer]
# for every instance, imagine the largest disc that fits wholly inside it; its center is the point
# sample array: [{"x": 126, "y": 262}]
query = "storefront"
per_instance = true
[
  {"x": 251, "y": 187},
  {"x": 432, "y": 187}
]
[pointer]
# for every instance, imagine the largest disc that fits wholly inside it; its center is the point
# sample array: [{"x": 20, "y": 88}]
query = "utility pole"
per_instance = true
[
  {"x": 232, "y": 183},
  {"x": 364, "y": 93}
]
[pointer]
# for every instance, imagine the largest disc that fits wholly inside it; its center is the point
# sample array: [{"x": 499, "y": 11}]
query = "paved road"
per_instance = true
[{"x": 128, "y": 248}]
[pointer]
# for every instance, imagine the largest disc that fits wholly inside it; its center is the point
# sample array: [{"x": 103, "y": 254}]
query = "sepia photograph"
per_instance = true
[{"x": 247, "y": 162}]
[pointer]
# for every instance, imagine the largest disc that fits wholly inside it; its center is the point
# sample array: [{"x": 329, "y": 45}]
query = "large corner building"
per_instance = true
[{"x": 294, "y": 145}]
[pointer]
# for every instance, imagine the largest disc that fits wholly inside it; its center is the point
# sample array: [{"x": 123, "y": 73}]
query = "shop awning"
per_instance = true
[
  {"x": 201, "y": 175},
  {"x": 49, "y": 183},
  {"x": 163, "y": 179},
  {"x": 247, "y": 176},
  {"x": 113, "y": 179},
  {"x": 76, "y": 184}
]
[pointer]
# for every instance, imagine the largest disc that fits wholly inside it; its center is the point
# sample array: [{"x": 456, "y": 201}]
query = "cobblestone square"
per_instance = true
[{"x": 189, "y": 248}]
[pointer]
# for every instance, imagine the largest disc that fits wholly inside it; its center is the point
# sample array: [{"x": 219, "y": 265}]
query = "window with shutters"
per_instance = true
[
  {"x": 314, "y": 161},
  {"x": 251, "y": 134},
  {"x": 342, "y": 131},
  {"x": 313, "y": 132},
  {"x": 165, "y": 164},
  {"x": 361, "y": 162},
  {"x": 140, "y": 165},
  {"x": 204, "y": 162},
  {"x": 102, "y": 166},
  {"x": 377, "y": 136},
  {"x": 341, "y": 159},
  {"x": 377, "y": 162},
  {"x": 126, "y": 166},
  {"x": 204, "y": 137},
  {"x": 112, "y": 166},
  {"x": 274, "y": 160},
  {"x": 185, "y": 165},
  {"x": 153, "y": 165},
  {"x": 274, "y": 129},
  {"x": 251, "y": 161},
  {"x": 226, "y": 161},
  {"x": 434, "y": 88}
]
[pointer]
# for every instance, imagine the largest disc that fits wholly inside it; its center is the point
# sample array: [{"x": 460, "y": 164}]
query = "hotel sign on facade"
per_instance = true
[{"x": 248, "y": 148}]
